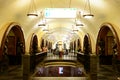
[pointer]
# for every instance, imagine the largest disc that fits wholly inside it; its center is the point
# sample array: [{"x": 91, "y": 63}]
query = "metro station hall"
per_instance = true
[{"x": 59, "y": 40}]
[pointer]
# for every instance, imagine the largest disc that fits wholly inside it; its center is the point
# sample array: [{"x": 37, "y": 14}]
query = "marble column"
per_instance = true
[
  {"x": 26, "y": 66},
  {"x": 93, "y": 67}
]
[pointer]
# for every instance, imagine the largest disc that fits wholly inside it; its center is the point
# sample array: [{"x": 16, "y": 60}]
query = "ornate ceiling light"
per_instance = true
[
  {"x": 78, "y": 21},
  {"x": 88, "y": 8},
  {"x": 43, "y": 21},
  {"x": 32, "y": 12},
  {"x": 74, "y": 28}
]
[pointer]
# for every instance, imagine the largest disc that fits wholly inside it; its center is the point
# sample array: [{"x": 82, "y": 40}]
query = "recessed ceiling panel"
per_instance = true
[{"x": 60, "y": 12}]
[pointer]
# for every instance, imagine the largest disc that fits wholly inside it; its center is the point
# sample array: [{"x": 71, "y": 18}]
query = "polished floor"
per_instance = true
[
  {"x": 13, "y": 73},
  {"x": 106, "y": 72},
  {"x": 57, "y": 67}
]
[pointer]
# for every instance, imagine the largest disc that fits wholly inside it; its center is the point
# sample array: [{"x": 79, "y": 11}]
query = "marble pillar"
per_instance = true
[
  {"x": 93, "y": 67},
  {"x": 26, "y": 66}
]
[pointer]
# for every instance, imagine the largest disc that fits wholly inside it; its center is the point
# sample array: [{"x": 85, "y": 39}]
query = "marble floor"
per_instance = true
[
  {"x": 105, "y": 72},
  {"x": 13, "y": 73}
]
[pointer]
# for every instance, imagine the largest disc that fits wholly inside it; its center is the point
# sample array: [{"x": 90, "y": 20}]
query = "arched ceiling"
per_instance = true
[{"x": 60, "y": 29}]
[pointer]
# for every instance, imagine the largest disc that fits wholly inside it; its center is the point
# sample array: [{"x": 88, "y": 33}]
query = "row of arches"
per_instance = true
[
  {"x": 76, "y": 45},
  {"x": 13, "y": 39},
  {"x": 13, "y": 44},
  {"x": 107, "y": 44}
]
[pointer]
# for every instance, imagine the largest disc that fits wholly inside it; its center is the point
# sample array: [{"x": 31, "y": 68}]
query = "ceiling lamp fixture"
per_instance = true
[
  {"x": 79, "y": 24},
  {"x": 32, "y": 12},
  {"x": 88, "y": 7},
  {"x": 78, "y": 21},
  {"x": 46, "y": 29},
  {"x": 48, "y": 32},
  {"x": 74, "y": 28},
  {"x": 72, "y": 32},
  {"x": 43, "y": 21}
]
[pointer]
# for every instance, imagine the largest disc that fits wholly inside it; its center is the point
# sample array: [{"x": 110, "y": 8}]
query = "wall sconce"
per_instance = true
[
  {"x": 32, "y": 12},
  {"x": 87, "y": 6}
]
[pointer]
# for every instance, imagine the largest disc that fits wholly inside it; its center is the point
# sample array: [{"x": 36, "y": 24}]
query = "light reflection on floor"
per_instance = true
[
  {"x": 64, "y": 68},
  {"x": 55, "y": 66},
  {"x": 59, "y": 71}
]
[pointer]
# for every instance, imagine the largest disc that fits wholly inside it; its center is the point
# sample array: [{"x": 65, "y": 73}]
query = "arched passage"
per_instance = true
[
  {"x": 79, "y": 45},
  {"x": 87, "y": 51},
  {"x": 42, "y": 43},
  {"x": 13, "y": 45},
  {"x": 74, "y": 45},
  {"x": 71, "y": 46},
  {"x": 34, "y": 44},
  {"x": 87, "y": 44},
  {"x": 107, "y": 44},
  {"x": 33, "y": 50}
]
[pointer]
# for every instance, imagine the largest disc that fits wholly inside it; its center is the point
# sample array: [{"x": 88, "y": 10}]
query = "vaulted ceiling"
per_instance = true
[{"x": 60, "y": 29}]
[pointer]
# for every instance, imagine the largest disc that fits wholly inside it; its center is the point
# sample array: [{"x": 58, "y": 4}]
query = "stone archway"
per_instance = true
[
  {"x": 74, "y": 45},
  {"x": 87, "y": 52},
  {"x": 79, "y": 45},
  {"x": 107, "y": 39},
  {"x": 42, "y": 43},
  {"x": 34, "y": 44},
  {"x": 13, "y": 45},
  {"x": 33, "y": 51},
  {"x": 87, "y": 44}
]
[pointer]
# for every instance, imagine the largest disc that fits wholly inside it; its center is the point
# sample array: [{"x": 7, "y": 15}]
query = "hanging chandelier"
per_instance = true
[
  {"x": 32, "y": 12},
  {"x": 74, "y": 28},
  {"x": 88, "y": 8},
  {"x": 78, "y": 20},
  {"x": 43, "y": 20}
]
